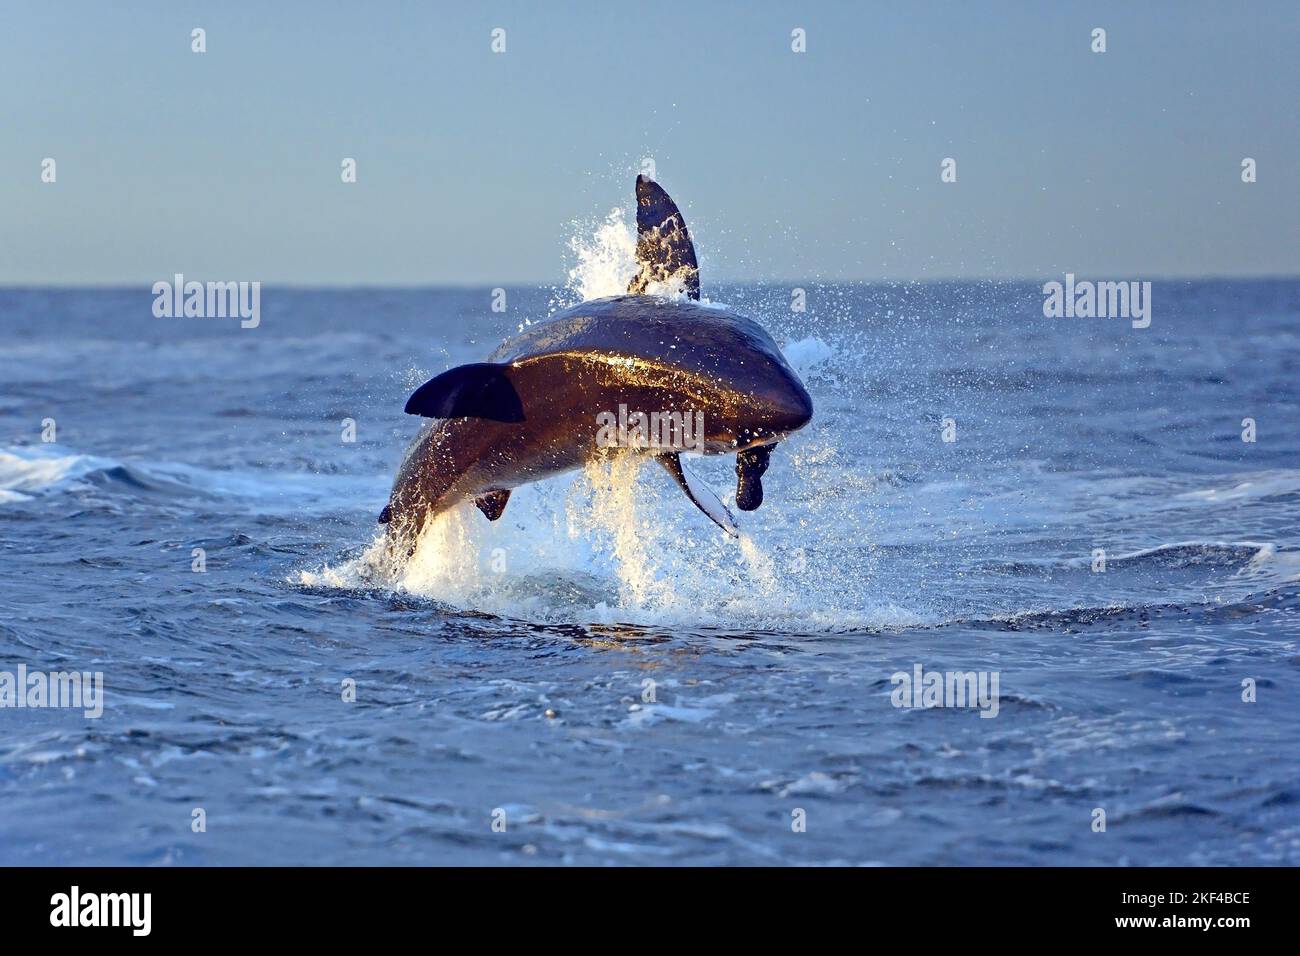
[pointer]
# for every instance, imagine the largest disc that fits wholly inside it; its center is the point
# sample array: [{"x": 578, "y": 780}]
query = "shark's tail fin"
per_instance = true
[{"x": 663, "y": 246}]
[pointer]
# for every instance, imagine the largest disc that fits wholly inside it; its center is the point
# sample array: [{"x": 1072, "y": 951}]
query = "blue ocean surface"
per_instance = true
[{"x": 601, "y": 677}]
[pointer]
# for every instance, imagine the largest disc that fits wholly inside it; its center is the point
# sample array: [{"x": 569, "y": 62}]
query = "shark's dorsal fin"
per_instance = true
[
  {"x": 663, "y": 246},
  {"x": 493, "y": 504},
  {"x": 481, "y": 390},
  {"x": 701, "y": 495}
]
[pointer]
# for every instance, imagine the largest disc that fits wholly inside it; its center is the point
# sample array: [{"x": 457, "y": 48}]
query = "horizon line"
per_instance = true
[{"x": 301, "y": 286}]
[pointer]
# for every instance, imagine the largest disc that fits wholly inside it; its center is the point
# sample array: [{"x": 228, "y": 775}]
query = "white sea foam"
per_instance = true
[
  {"x": 1267, "y": 485},
  {"x": 30, "y": 469},
  {"x": 27, "y": 471}
]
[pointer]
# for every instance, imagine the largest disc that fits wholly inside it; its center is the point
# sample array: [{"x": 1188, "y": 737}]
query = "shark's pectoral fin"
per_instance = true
[
  {"x": 386, "y": 515},
  {"x": 481, "y": 390},
  {"x": 663, "y": 246},
  {"x": 701, "y": 495},
  {"x": 493, "y": 503},
  {"x": 750, "y": 465}
]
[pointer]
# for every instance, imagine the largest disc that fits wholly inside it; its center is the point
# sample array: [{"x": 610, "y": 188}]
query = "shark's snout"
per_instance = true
[
  {"x": 793, "y": 409},
  {"x": 774, "y": 412}
]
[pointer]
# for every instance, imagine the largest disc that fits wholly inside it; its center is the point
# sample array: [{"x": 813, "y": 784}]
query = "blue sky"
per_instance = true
[{"x": 473, "y": 166}]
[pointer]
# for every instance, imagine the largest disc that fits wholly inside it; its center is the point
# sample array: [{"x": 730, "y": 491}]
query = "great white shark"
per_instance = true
[{"x": 534, "y": 409}]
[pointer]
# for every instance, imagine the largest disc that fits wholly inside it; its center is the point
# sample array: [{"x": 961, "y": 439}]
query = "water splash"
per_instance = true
[
  {"x": 606, "y": 259},
  {"x": 761, "y": 566},
  {"x": 616, "y": 543},
  {"x": 603, "y": 507},
  {"x": 605, "y": 254}
]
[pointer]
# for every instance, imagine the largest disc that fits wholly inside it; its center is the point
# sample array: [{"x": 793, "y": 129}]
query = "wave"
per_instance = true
[
  {"x": 1269, "y": 485},
  {"x": 1125, "y": 615},
  {"x": 1245, "y": 557},
  {"x": 28, "y": 472}
]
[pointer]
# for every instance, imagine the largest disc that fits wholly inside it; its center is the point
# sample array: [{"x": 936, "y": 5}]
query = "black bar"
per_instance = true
[{"x": 332, "y": 906}]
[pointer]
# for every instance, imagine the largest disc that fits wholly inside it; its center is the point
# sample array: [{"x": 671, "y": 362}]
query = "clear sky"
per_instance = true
[{"x": 473, "y": 166}]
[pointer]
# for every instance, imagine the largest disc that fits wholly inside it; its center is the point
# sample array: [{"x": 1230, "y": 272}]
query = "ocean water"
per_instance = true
[{"x": 710, "y": 701}]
